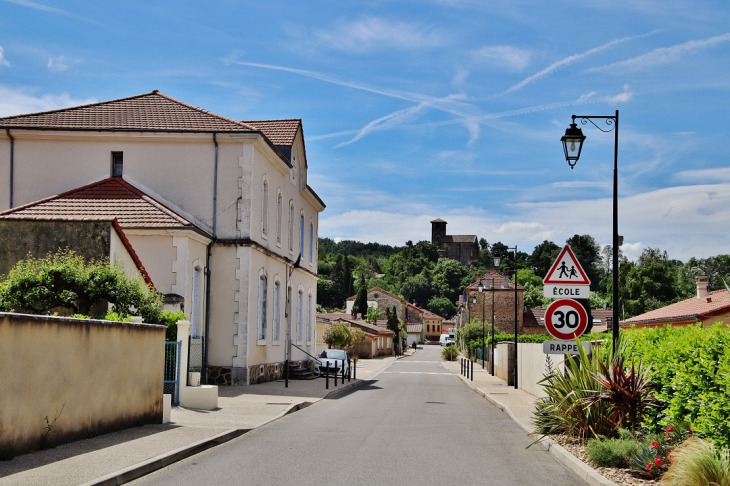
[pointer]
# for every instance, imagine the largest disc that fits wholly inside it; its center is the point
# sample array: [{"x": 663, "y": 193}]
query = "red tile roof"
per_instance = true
[
  {"x": 715, "y": 302},
  {"x": 107, "y": 199},
  {"x": 498, "y": 282},
  {"x": 280, "y": 132},
  {"x": 150, "y": 111}
]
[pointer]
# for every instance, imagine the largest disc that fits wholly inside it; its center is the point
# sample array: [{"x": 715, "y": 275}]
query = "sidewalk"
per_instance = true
[
  {"x": 520, "y": 405},
  {"x": 122, "y": 456}
]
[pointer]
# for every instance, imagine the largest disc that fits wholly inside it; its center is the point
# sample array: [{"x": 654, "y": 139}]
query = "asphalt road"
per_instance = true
[{"x": 415, "y": 424}]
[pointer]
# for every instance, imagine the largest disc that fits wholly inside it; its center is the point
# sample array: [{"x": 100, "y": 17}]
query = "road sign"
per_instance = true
[
  {"x": 563, "y": 347},
  {"x": 552, "y": 291},
  {"x": 566, "y": 319},
  {"x": 566, "y": 270}
]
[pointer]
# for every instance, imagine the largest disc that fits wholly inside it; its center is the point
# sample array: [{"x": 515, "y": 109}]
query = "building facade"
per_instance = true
[
  {"x": 241, "y": 185},
  {"x": 462, "y": 248}
]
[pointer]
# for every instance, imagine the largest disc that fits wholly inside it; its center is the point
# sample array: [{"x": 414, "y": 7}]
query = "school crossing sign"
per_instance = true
[{"x": 566, "y": 278}]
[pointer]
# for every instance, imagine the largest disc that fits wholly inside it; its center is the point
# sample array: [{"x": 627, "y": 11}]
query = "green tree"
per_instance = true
[
  {"x": 361, "y": 300},
  {"x": 373, "y": 315},
  {"x": 448, "y": 279},
  {"x": 418, "y": 289},
  {"x": 588, "y": 253},
  {"x": 442, "y": 307},
  {"x": 543, "y": 257}
]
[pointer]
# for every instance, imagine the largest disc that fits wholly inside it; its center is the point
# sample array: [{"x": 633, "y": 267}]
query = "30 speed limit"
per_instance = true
[{"x": 565, "y": 319}]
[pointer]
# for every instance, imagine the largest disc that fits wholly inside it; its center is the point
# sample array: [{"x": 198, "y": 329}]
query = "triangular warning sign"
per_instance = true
[{"x": 566, "y": 270}]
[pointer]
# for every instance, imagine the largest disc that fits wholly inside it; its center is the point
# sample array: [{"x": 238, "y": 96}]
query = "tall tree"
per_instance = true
[
  {"x": 361, "y": 300},
  {"x": 543, "y": 257},
  {"x": 588, "y": 253}
]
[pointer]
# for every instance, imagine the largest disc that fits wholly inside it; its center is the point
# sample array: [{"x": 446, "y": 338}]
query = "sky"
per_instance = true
[{"x": 425, "y": 109}]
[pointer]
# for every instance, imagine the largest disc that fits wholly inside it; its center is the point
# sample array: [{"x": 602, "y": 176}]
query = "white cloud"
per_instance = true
[
  {"x": 621, "y": 97},
  {"x": 508, "y": 57},
  {"x": 14, "y": 101},
  {"x": 664, "y": 55},
  {"x": 58, "y": 65},
  {"x": 375, "y": 33},
  {"x": 3, "y": 61},
  {"x": 699, "y": 176}
]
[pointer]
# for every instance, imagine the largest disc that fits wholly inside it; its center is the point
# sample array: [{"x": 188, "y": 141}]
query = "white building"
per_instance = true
[{"x": 241, "y": 186}]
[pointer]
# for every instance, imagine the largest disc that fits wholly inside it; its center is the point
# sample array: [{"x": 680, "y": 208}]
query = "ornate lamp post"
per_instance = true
[
  {"x": 497, "y": 261},
  {"x": 480, "y": 287},
  {"x": 572, "y": 146}
]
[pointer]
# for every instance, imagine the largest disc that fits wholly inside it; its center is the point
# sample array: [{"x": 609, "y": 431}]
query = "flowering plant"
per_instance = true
[
  {"x": 653, "y": 461},
  {"x": 341, "y": 335}
]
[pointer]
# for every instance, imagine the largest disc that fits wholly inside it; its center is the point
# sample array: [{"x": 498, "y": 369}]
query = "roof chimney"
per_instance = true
[{"x": 702, "y": 287}]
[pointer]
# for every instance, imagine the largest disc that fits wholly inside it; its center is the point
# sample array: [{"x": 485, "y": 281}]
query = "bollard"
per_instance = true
[
  {"x": 343, "y": 371},
  {"x": 472, "y": 370},
  {"x": 335, "y": 375},
  {"x": 354, "y": 369},
  {"x": 349, "y": 369},
  {"x": 327, "y": 379},
  {"x": 462, "y": 366},
  {"x": 286, "y": 374}
]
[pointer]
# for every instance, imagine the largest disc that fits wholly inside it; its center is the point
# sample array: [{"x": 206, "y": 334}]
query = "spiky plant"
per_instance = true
[{"x": 696, "y": 462}]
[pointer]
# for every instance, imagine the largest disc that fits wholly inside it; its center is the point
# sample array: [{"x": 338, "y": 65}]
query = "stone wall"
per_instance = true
[
  {"x": 90, "y": 239},
  {"x": 385, "y": 299},
  {"x": 504, "y": 309},
  {"x": 90, "y": 377}
]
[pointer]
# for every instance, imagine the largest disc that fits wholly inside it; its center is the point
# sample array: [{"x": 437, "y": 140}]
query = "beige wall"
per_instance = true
[{"x": 92, "y": 377}]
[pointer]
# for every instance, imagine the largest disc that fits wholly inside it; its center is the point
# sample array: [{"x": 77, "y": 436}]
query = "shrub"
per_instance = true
[
  {"x": 691, "y": 372},
  {"x": 565, "y": 409},
  {"x": 612, "y": 452},
  {"x": 695, "y": 462},
  {"x": 450, "y": 353},
  {"x": 654, "y": 457},
  {"x": 341, "y": 335}
]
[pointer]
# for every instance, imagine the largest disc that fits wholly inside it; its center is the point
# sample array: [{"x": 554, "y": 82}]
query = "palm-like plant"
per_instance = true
[{"x": 628, "y": 391}]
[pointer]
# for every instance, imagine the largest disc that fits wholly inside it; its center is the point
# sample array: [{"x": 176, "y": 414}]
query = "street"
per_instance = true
[{"x": 415, "y": 423}]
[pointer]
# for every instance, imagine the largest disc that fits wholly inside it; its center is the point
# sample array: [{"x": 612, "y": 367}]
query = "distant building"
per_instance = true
[{"x": 462, "y": 248}]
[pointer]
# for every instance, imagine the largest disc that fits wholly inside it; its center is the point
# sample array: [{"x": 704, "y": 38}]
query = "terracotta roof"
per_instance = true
[
  {"x": 107, "y": 199},
  {"x": 431, "y": 315},
  {"x": 280, "y": 132},
  {"x": 498, "y": 282},
  {"x": 149, "y": 111},
  {"x": 715, "y": 302}
]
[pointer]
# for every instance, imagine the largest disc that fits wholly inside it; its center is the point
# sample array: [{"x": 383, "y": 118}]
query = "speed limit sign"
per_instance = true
[{"x": 566, "y": 319}]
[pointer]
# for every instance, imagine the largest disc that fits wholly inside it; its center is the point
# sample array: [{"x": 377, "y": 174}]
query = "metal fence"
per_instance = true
[{"x": 172, "y": 370}]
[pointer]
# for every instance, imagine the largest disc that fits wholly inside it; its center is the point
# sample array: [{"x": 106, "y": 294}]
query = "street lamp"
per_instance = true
[
  {"x": 497, "y": 261},
  {"x": 480, "y": 287},
  {"x": 574, "y": 135}
]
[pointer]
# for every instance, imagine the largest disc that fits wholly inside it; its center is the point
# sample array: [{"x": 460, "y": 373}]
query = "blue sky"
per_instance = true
[{"x": 416, "y": 110}]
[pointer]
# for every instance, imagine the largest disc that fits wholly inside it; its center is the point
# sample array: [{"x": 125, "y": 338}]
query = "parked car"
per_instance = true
[{"x": 337, "y": 358}]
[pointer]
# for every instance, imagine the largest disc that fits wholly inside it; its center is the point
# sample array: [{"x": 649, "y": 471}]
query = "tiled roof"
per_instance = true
[
  {"x": 498, "y": 282},
  {"x": 107, "y": 199},
  {"x": 280, "y": 132},
  {"x": 715, "y": 302},
  {"x": 431, "y": 315},
  {"x": 149, "y": 111},
  {"x": 459, "y": 239}
]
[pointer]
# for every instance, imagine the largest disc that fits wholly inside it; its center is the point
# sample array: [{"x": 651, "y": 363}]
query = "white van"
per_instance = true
[{"x": 446, "y": 340}]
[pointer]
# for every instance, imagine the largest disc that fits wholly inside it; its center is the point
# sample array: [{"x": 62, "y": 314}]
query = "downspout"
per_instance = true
[
  {"x": 209, "y": 254},
  {"x": 12, "y": 161}
]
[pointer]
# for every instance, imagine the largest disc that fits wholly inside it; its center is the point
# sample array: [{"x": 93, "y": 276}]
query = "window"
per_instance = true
[
  {"x": 278, "y": 217},
  {"x": 276, "y": 311},
  {"x": 388, "y": 346},
  {"x": 301, "y": 233},
  {"x": 309, "y": 318},
  {"x": 262, "y": 308},
  {"x": 311, "y": 242},
  {"x": 265, "y": 208},
  {"x": 291, "y": 226},
  {"x": 117, "y": 163},
  {"x": 299, "y": 316},
  {"x": 196, "y": 303}
]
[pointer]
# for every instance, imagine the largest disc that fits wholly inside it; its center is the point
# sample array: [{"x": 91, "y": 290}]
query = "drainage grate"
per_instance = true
[
  {"x": 275, "y": 403},
  {"x": 437, "y": 403}
]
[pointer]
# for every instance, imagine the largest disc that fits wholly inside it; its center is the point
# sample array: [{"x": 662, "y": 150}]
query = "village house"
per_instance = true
[{"x": 217, "y": 211}]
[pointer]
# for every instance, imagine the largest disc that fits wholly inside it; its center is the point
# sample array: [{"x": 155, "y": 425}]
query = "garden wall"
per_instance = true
[{"x": 90, "y": 377}]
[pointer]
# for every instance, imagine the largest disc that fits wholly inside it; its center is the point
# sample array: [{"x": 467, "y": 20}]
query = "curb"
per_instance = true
[
  {"x": 136, "y": 471},
  {"x": 140, "y": 469},
  {"x": 578, "y": 467}
]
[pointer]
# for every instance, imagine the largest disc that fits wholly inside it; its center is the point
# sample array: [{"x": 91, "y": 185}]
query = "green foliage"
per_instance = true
[
  {"x": 361, "y": 300},
  {"x": 442, "y": 307},
  {"x": 342, "y": 336},
  {"x": 612, "y": 452},
  {"x": 698, "y": 462},
  {"x": 450, "y": 353},
  {"x": 64, "y": 280},
  {"x": 691, "y": 368},
  {"x": 653, "y": 459},
  {"x": 373, "y": 315},
  {"x": 565, "y": 409}
]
